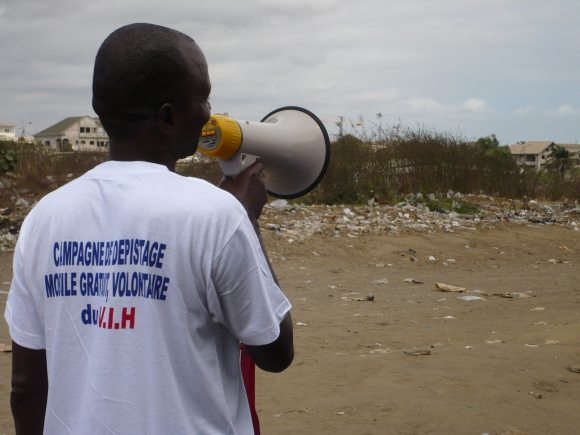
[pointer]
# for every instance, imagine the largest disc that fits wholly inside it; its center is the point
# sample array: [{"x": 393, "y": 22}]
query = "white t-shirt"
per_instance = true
[{"x": 139, "y": 283}]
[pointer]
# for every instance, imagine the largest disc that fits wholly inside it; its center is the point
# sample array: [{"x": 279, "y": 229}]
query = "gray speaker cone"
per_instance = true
[{"x": 298, "y": 158}]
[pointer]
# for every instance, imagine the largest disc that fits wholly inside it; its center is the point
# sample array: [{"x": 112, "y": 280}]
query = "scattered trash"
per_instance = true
[
  {"x": 493, "y": 341},
  {"x": 514, "y": 432},
  {"x": 370, "y": 297},
  {"x": 450, "y": 288},
  {"x": 301, "y": 324},
  {"x": 470, "y": 298},
  {"x": 449, "y": 317},
  {"x": 412, "y": 251},
  {"x": 565, "y": 247},
  {"x": 560, "y": 261},
  {"x": 541, "y": 323},
  {"x": 280, "y": 204},
  {"x": 514, "y": 295},
  {"x": 574, "y": 369},
  {"x": 538, "y": 309},
  {"x": 22, "y": 202},
  {"x": 468, "y": 347},
  {"x": 451, "y": 260},
  {"x": 412, "y": 281},
  {"x": 431, "y": 258},
  {"x": 380, "y": 265},
  {"x": 531, "y": 345},
  {"x": 417, "y": 352},
  {"x": 299, "y": 221},
  {"x": 387, "y": 350},
  {"x": 338, "y": 413},
  {"x": 5, "y": 347},
  {"x": 380, "y": 281},
  {"x": 277, "y": 415},
  {"x": 553, "y": 342}
]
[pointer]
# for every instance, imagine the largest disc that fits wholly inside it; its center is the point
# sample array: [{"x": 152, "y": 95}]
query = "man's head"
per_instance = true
[{"x": 145, "y": 77}]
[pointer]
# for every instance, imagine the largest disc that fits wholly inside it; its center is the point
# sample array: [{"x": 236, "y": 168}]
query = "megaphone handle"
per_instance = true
[{"x": 234, "y": 167}]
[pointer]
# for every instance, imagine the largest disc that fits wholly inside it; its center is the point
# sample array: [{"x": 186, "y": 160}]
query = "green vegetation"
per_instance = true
[
  {"x": 488, "y": 142},
  {"x": 8, "y": 161},
  {"x": 449, "y": 204},
  {"x": 32, "y": 164},
  {"x": 559, "y": 160},
  {"x": 386, "y": 164}
]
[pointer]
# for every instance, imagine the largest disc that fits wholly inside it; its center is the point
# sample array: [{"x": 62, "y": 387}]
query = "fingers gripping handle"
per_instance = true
[{"x": 237, "y": 165}]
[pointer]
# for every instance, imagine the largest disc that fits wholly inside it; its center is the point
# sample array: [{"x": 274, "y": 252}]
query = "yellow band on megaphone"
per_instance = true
[{"x": 221, "y": 137}]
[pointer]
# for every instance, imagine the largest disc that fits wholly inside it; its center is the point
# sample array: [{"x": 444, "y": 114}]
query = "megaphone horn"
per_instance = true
[{"x": 291, "y": 143}]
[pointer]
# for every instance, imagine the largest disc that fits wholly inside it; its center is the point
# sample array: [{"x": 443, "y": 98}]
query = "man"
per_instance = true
[{"x": 133, "y": 286}]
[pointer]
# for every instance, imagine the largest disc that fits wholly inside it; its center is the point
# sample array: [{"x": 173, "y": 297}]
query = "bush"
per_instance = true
[
  {"x": 8, "y": 161},
  {"x": 391, "y": 161},
  {"x": 385, "y": 163}
]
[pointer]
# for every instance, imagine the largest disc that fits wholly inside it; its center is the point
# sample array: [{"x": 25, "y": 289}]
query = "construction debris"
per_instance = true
[{"x": 298, "y": 221}]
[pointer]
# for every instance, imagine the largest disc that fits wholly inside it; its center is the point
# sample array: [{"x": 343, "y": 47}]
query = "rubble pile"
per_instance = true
[
  {"x": 10, "y": 222},
  {"x": 11, "y": 218},
  {"x": 294, "y": 222}
]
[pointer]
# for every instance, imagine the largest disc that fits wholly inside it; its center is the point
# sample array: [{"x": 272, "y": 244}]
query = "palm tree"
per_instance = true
[{"x": 559, "y": 159}]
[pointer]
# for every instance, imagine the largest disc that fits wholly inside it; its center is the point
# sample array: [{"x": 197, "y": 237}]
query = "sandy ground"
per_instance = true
[{"x": 345, "y": 381}]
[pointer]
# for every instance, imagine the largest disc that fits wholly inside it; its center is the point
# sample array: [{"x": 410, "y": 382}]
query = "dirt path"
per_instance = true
[
  {"x": 339, "y": 368},
  {"x": 343, "y": 379}
]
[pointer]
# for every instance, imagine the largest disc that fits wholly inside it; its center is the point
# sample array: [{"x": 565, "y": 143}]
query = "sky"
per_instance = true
[{"x": 477, "y": 67}]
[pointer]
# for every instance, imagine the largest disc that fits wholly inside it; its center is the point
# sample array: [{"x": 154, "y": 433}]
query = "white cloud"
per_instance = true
[
  {"x": 423, "y": 105},
  {"x": 565, "y": 109},
  {"x": 525, "y": 110},
  {"x": 420, "y": 61},
  {"x": 475, "y": 105}
]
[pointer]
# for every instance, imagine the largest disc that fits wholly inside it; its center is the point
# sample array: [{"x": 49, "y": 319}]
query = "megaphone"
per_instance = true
[{"x": 290, "y": 142}]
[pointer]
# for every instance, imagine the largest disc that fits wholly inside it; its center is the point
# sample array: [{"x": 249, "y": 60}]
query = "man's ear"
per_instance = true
[{"x": 165, "y": 118}]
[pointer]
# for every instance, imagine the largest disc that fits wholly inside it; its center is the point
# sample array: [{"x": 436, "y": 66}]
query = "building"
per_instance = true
[
  {"x": 532, "y": 153},
  {"x": 574, "y": 150},
  {"x": 83, "y": 133},
  {"x": 7, "y": 131}
]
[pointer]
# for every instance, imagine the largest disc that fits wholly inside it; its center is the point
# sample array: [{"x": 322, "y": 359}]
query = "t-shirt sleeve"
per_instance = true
[
  {"x": 26, "y": 327},
  {"x": 243, "y": 295}
]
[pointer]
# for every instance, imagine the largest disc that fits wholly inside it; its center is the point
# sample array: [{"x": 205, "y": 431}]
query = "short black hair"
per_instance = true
[{"x": 137, "y": 69}]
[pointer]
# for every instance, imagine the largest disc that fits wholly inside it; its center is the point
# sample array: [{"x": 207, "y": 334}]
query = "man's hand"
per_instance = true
[{"x": 248, "y": 188}]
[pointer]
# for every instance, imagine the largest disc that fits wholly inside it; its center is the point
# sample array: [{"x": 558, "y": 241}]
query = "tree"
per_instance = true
[
  {"x": 559, "y": 159},
  {"x": 488, "y": 142}
]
